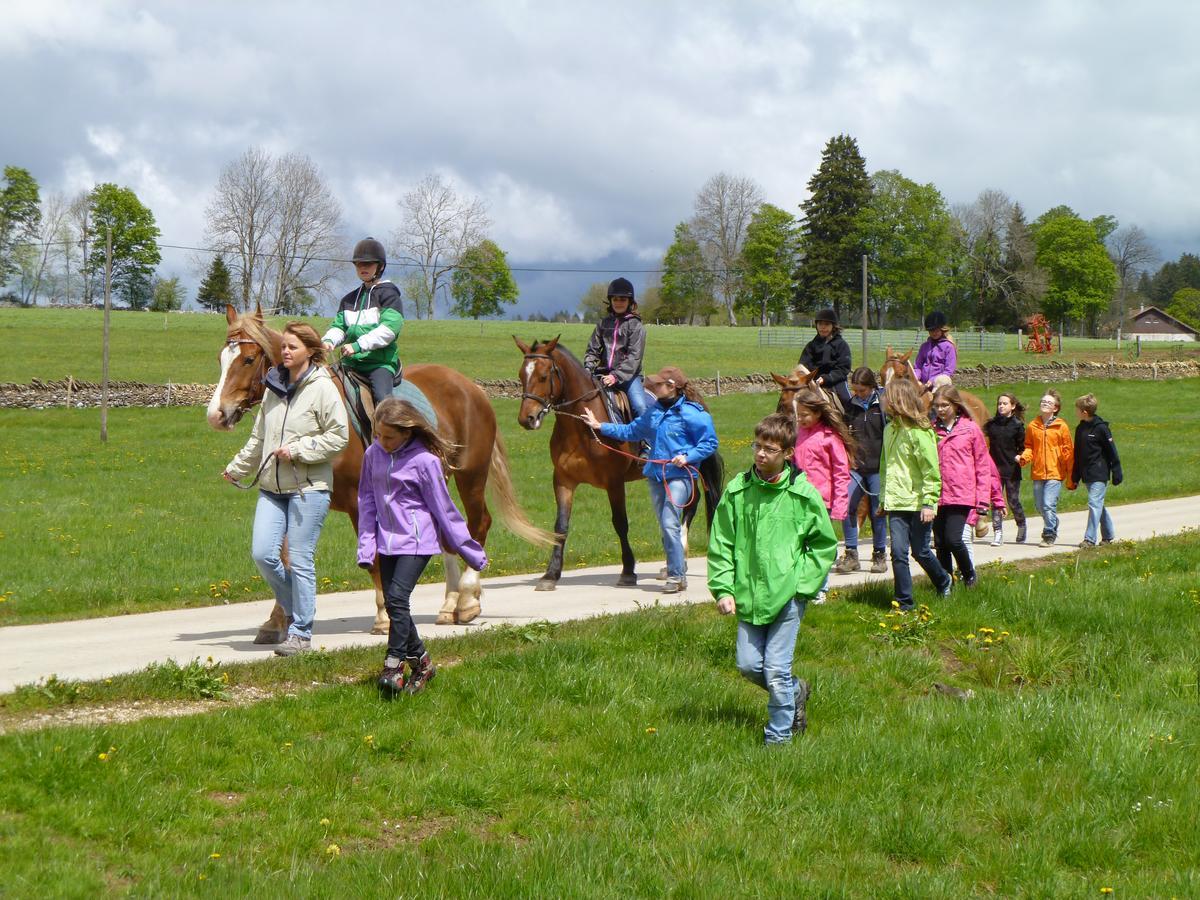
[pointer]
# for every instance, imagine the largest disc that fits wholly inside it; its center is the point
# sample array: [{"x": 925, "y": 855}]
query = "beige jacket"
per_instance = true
[{"x": 311, "y": 423}]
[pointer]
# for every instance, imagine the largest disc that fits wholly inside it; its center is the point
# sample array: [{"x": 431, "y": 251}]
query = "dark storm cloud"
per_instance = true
[{"x": 589, "y": 127}]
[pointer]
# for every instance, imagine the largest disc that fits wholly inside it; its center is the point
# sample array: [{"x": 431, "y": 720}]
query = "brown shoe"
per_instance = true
[
  {"x": 848, "y": 563},
  {"x": 879, "y": 561}
]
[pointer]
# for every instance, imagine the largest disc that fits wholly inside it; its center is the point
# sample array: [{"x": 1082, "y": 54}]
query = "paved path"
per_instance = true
[{"x": 97, "y": 648}]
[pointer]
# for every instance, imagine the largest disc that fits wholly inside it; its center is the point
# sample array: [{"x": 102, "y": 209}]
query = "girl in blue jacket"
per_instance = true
[
  {"x": 406, "y": 515},
  {"x": 680, "y": 432}
]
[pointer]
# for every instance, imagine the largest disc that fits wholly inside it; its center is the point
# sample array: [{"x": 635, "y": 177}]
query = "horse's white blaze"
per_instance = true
[
  {"x": 228, "y": 355},
  {"x": 528, "y": 371}
]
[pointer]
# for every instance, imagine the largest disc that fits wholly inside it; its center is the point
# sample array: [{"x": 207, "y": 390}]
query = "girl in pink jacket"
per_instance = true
[
  {"x": 966, "y": 470},
  {"x": 824, "y": 448}
]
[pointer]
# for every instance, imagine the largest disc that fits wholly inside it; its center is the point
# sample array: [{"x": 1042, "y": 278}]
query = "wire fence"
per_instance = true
[{"x": 880, "y": 339}]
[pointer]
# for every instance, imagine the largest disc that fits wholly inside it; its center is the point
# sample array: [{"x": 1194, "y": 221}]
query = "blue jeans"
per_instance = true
[
  {"x": 635, "y": 392},
  {"x": 764, "y": 656},
  {"x": 1045, "y": 501},
  {"x": 909, "y": 532},
  {"x": 670, "y": 521},
  {"x": 1098, "y": 513},
  {"x": 861, "y": 483},
  {"x": 299, "y": 517}
]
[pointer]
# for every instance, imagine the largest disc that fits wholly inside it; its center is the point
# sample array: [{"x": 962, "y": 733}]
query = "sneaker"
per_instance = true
[
  {"x": 879, "y": 561},
  {"x": 800, "y": 719},
  {"x": 848, "y": 563},
  {"x": 391, "y": 680},
  {"x": 820, "y": 598},
  {"x": 945, "y": 591},
  {"x": 1088, "y": 545},
  {"x": 1021, "y": 533},
  {"x": 1047, "y": 541},
  {"x": 1104, "y": 542},
  {"x": 971, "y": 582},
  {"x": 420, "y": 673},
  {"x": 293, "y": 646},
  {"x": 675, "y": 587},
  {"x": 997, "y": 538}
]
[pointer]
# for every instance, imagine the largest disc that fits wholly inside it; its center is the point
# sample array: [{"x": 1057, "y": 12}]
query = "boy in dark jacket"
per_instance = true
[
  {"x": 614, "y": 353},
  {"x": 1096, "y": 460},
  {"x": 866, "y": 419},
  {"x": 828, "y": 355},
  {"x": 368, "y": 322},
  {"x": 1005, "y": 432}
]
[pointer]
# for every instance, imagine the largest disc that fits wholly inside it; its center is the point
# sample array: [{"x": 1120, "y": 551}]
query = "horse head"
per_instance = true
[
  {"x": 895, "y": 365},
  {"x": 790, "y": 386},
  {"x": 250, "y": 349},
  {"x": 543, "y": 382}
]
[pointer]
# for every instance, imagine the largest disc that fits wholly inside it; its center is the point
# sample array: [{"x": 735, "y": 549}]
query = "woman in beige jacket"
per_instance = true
[{"x": 301, "y": 426}]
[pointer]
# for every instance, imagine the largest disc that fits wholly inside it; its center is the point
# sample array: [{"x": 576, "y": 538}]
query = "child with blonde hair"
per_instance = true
[{"x": 1050, "y": 454}]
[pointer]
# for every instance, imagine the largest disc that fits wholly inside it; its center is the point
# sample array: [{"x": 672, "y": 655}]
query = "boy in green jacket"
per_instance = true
[{"x": 769, "y": 551}]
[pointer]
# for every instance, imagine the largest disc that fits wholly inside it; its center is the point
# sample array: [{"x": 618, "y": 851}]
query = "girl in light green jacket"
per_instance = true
[{"x": 910, "y": 485}]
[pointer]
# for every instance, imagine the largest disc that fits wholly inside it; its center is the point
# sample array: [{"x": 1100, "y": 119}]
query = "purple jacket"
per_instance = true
[
  {"x": 965, "y": 465},
  {"x": 404, "y": 508},
  {"x": 935, "y": 358}
]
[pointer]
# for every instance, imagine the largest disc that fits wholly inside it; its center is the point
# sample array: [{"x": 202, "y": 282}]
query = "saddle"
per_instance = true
[
  {"x": 616, "y": 402},
  {"x": 360, "y": 404}
]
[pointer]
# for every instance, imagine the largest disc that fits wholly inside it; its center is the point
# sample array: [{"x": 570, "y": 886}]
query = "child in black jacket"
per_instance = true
[
  {"x": 1005, "y": 432},
  {"x": 828, "y": 355},
  {"x": 1096, "y": 461}
]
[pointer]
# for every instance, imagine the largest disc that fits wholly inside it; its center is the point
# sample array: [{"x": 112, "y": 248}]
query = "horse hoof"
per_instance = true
[
  {"x": 270, "y": 636},
  {"x": 380, "y": 628},
  {"x": 546, "y": 584},
  {"x": 627, "y": 581},
  {"x": 466, "y": 614},
  {"x": 444, "y": 618}
]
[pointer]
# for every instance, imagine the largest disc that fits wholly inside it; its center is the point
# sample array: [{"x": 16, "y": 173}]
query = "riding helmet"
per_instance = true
[
  {"x": 620, "y": 287},
  {"x": 369, "y": 250},
  {"x": 826, "y": 315},
  {"x": 936, "y": 319}
]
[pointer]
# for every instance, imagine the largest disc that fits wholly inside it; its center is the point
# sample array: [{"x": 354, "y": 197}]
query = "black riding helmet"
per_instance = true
[
  {"x": 826, "y": 315},
  {"x": 936, "y": 319},
  {"x": 621, "y": 287},
  {"x": 369, "y": 250}
]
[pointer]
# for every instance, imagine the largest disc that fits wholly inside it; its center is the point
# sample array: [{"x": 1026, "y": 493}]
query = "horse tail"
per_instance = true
[
  {"x": 712, "y": 470},
  {"x": 500, "y": 481}
]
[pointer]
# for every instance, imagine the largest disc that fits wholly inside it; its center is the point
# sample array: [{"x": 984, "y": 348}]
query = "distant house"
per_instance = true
[{"x": 1152, "y": 324}]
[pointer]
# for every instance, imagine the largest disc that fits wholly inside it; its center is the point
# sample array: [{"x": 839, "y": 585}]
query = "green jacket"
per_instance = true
[
  {"x": 770, "y": 542},
  {"x": 909, "y": 477},
  {"x": 369, "y": 320}
]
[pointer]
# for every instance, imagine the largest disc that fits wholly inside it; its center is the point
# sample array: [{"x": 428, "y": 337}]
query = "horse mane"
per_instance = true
[
  {"x": 257, "y": 331},
  {"x": 538, "y": 345}
]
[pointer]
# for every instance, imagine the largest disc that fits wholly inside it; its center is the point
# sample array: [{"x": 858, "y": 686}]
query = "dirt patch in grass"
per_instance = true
[{"x": 226, "y": 798}]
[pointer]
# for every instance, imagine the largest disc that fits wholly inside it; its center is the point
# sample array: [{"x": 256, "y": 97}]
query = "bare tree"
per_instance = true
[
  {"x": 53, "y": 237},
  {"x": 438, "y": 227},
  {"x": 305, "y": 229},
  {"x": 723, "y": 209},
  {"x": 1002, "y": 273},
  {"x": 240, "y": 218},
  {"x": 1131, "y": 252},
  {"x": 80, "y": 217}
]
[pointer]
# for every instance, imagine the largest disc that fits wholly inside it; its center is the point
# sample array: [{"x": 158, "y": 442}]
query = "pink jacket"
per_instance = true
[
  {"x": 821, "y": 455},
  {"x": 965, "y": 464}
]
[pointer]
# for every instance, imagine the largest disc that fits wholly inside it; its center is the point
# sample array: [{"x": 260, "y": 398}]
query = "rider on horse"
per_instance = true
[
  {"x": 938, "y": 357},
  {"x": 828, "y": 355},
  {"x": 368, "y": 321},
  {"x": 614, "y": 353}
]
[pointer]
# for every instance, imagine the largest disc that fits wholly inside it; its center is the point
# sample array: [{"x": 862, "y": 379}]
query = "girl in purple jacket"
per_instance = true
[
  {"x": 937, "y": 359},
  {"x": 405, "y": 514},
  {"x": 966, "y": 470}
]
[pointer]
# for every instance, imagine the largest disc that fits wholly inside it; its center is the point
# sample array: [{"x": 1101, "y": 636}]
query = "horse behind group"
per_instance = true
[
  {"x": 554, "y": 381},
  {"x": 897, "y": 365},
  {"x": 465, "y": 419}
]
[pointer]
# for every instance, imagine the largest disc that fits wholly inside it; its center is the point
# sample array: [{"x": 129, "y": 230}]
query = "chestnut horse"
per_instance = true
[
  {"x": 896, "y": 365},
  {"x": 553, "y": 380},
  {"x": 465, "y": 418}
]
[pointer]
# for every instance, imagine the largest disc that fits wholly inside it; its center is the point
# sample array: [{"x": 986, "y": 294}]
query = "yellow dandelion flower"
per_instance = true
[
  {"x": 1106, "y": 890},
  {"x": 971, "y": 636},
  {"x": 214, "y": 856},
  {"x": 651, "y": 730},
  {"x": 333, "y": 850},
  {"x": 103, "y": 757},
  {"x": 324, "y": 821},
  {"x": 883, "y": 624},
  {"x": 895, "y": 604}
]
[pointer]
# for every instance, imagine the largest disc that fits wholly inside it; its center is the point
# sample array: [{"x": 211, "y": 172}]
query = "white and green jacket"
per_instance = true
[{"x": 370, "y": 319}]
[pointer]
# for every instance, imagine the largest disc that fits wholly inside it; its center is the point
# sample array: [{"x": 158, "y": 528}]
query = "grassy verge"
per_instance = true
[
  {"x": 146, "y": 523},
  {"x": 621, "y": 756},
  {"x": 182, "y": 347}
]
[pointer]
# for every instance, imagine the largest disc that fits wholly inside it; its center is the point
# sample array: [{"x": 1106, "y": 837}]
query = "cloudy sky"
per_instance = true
[{"x": 589, "y": 127}]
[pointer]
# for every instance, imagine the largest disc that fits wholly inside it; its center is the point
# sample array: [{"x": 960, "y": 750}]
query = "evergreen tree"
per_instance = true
[
  {"x": 216, "y": 289},
  {"x": 831, "y": 243}
]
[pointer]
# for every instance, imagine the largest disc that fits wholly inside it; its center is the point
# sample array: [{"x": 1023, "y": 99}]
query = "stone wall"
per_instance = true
[{"x": 42, "y": 394}]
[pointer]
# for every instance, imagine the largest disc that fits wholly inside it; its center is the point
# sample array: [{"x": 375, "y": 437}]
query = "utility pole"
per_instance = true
[
  {"x": 864, "y": 313},
  {"x": 104, "y": 356}
]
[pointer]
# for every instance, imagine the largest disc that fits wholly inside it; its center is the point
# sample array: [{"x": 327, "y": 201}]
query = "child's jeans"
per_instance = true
[
  {"x": 764, "y": 656},
  {"x": 636, "y": 393},
  {"x": 383, "y": 382},
  {"x": 399, "y": 575},
  {"x": 908, "y": 532},
  {"x": 299, "y": 517},
  {"x": 1098, "y": 513},
  {"x": 864, "y": 483},
  {"x": 670, "y": 521},
  {"x": 1045, "y": 501}
]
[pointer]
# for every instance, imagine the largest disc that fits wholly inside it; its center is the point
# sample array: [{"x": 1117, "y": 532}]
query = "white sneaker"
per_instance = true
[
  {"x": 997, "y": 538},
  {"x": 820, "y": 598}
]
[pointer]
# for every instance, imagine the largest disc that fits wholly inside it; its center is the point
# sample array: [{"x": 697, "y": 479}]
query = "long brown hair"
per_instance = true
[
  {"x": 903, "y": 402},
  {"x": 1018, "y": 408},
  {"x": 814, "y": 401},
  {"x": 399, "y": 413},
  {"x": 950, "y": 393}
]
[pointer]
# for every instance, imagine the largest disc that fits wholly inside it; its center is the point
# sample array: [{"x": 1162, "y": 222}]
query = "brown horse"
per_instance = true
[
  {"x": 465, "y": 418},
  {"x": 553, "y": 380},
  {"x": 896, "y": 365}
]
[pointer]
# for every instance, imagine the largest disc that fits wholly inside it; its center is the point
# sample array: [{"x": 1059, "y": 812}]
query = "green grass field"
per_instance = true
[
  {"x": 145, "y": 522},
  {"x": 621, "y": 757},
  {"x": 182, "y": 347}
]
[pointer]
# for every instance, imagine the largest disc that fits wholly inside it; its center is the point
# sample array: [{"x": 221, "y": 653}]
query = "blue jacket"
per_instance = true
[{"x": 685, "y": 428}]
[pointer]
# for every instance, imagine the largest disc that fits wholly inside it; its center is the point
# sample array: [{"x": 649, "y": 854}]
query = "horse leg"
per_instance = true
[
  {"x": 445, "y": 615},
  {"x": 469, "y": 593},
  {"x": 564, "y": 496},
  {"x": 620, "y": 523},
  {"x": 382, "y": 622},
  {"x": 479, "y": 523}
]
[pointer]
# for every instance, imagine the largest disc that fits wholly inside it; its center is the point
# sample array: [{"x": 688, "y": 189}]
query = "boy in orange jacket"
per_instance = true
[{"x": 1049, "y": 448}]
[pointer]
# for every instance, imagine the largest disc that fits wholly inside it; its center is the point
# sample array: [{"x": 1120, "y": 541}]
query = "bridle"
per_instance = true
[{"x": 548, "y": 403}]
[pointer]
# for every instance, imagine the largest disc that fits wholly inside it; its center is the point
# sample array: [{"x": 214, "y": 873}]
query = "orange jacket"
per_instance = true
[{"x": 1050, "y": 449}]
